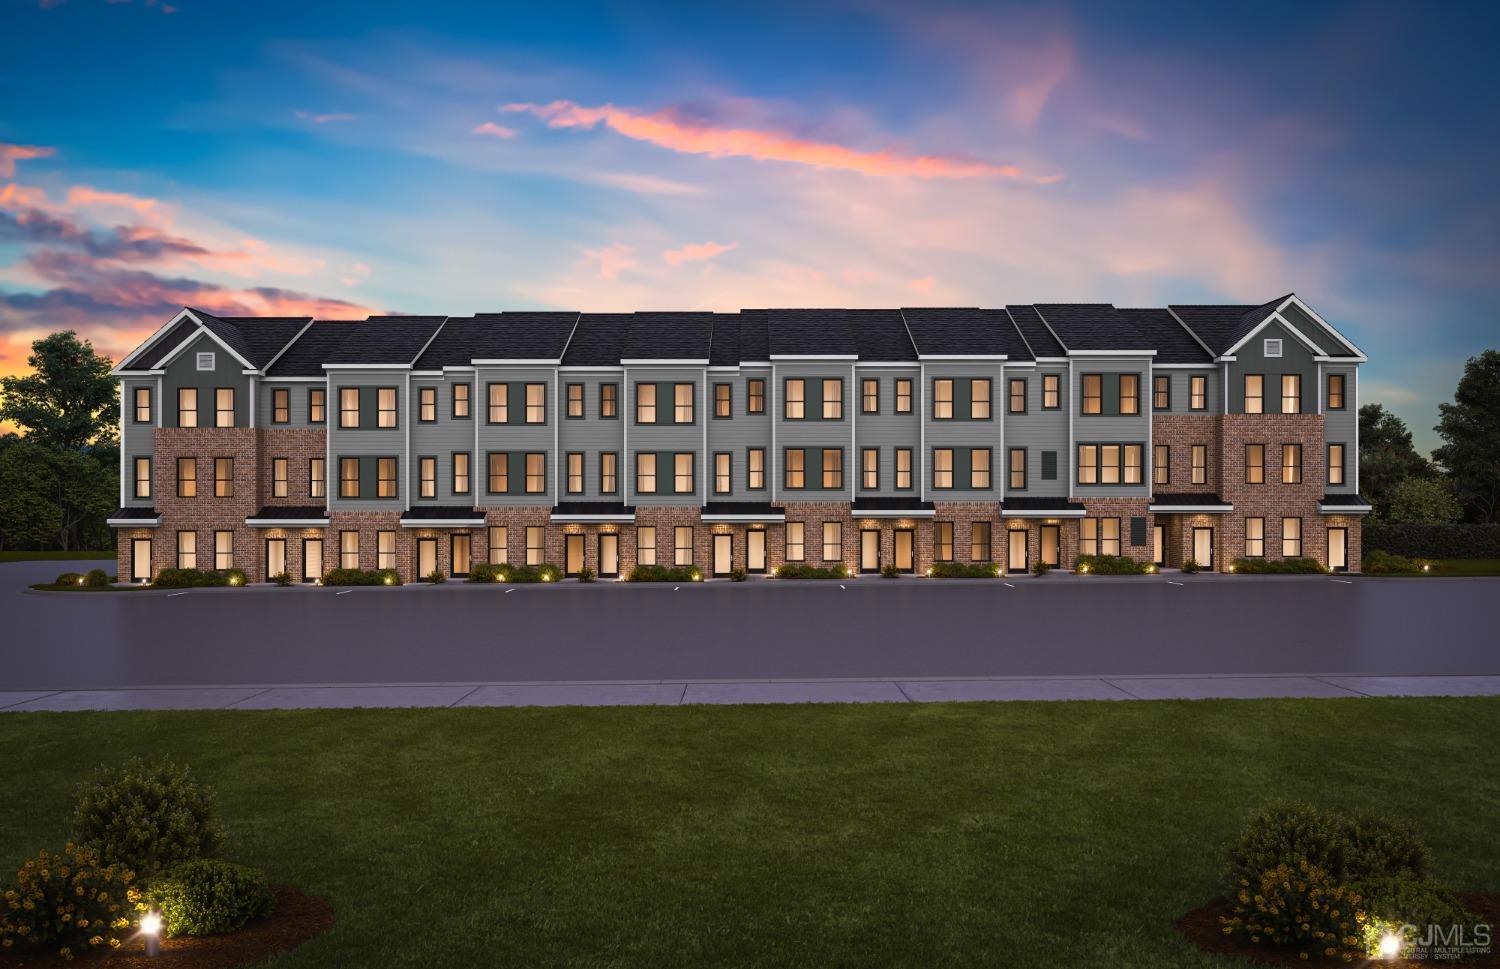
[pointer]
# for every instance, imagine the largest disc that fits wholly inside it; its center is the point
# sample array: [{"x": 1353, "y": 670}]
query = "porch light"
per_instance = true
[{"x": 151, "y": 929}]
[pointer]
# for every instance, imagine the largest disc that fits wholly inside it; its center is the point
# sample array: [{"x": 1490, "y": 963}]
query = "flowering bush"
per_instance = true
[
  {"x": 70, "y": 903},
  {"x": 208, "y": 896},
  {"x": 1349, "y": 847},
  {"x": 147, "y": 817},
  {"x": 1299, "y": 906}
]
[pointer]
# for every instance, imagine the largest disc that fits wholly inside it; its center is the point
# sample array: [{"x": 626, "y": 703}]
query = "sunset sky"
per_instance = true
[{"x": 338, "y": 159}]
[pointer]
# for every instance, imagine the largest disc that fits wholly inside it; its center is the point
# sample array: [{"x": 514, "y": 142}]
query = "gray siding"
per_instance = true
[
  {"x": 664, "y": 436},
  {"x": 1251, "y": 359},
  {"x": 227, "y": 372},
  {"x": 441, "y": 438},
  {"x": 369, "y": 442},
  {"x": 888, "y": 430},
  {"x": 813, "y": 433},
  {"x": 1038, "y": 431},
  {"x": 1341, "y": 426},
  {"x": 136, "y": 440},
  {"x": 297, "y": 401},
  {"x": 516, "y": 435},
  {"x": 1181, "y": 393},
  {"x": 594, "y": 435},
  {"x": 962, "y": 434},
  {"x": 1110, "y": 429},
  {"x": 740, "y": 433}
]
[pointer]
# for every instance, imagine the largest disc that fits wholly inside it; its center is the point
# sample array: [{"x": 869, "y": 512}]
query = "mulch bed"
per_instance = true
[
  {"x": 296, "y": 918},
  {"x": 1203, "y": 929}
]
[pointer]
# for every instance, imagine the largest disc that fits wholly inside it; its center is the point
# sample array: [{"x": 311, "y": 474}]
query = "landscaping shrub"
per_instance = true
[
  {"x": 964, "y": 570},
  {"x": 484, "y": 572},
  {"x": 737, "y": 575},
  {"x": 1299, "y": 906},
  {"x": 354, "y": 577},
  {"x": 1191, "y": 567},
  {"x": 147, "y": 816},
  {"x": 97, "y": 578},
  {"x": 1349, "y": 848},
  {"x": 889, "y": 572},
  {"x": 1041, "y": 568},
  {"x": 1278, "y": 566},
  {"x": 1390, "y": 903},
  {"x": 70, "y": 903},
  {"x": 529, "y": 573},
  {"x": 436, "y": 577},
  {"x": 587, "y": 574},
  {"x": 197, "y": 578},
  {"x": 1433, "y": 541},
  {"x": 69, "y": 578},
  {"x": 208, "y": 896},
  {"x": 1112, "y": 565},
  {"x": 282, "y": 579},
  {"x": 1382, "y": 563},
  {"x": 664, "y": 573},
  {"x": 812, "y": 572}
]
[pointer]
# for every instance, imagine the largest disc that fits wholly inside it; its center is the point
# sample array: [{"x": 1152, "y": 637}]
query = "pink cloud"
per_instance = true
[
  {"x": 609, "y": 261},
  {"x": 331, "y": 118},
  {"x": 494, "y": 130},
  {"x": 83, "y": 195},
  {"x": 1027, "y": 100},
  {"x": 10, "y": 154},
  {"x": 693, "y": 251},
  {"x": 923, "y": 285},
  {"x": 669, "y": 128}
]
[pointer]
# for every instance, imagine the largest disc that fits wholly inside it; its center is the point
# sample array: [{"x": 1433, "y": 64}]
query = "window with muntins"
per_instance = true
[
  {"x": 187, "y": 477},
  {"x": 349, "y": 477},
  {"x": 536, "y": 473},
  {"x": 1291, "y": 464},
  {"x": 682, "y": 472},
  {"x": 460, "y": 402},
  {"x": 1051, "y": 391},
  {"x": 1088, "y": 464},
  {"x": 317, "y": 479},
  {"x": 349, "y": 407},
  {"x": 1130, "y": 393},
  {"x": 833, "y": 468},
  {"x": 796, "y": 547},
  {"x": 427, "y": 477},
  {"x": 722, "y": 473},
  {"x": 1161, "y": 464},
  {"x": 536, "y": 403},
  {"x": 942, "y": 400},
  {"x": 575, "y": 401},
  {"x": 869, "y": 470},
  {"x": 1200, "y": 464},
  {"x": 281, "y": 405},
  {"x": 427, "y": 405},
  {"x": 979, "y": 468},
  {"x": 1255, "y": 464},
  {"x": 1017, "y": 469},
  {"x": 942, "y": 468},
  {"x": 645, "y": 403},
  {"x": 187, "y": 406},
  {"x": 979, "y": 399},
  {"x": 1161, "y": 393},
  {"x": 1255, "y": 537},
  {"x": 796, "y": 468},
  {"x": 682, "y": 403},
  {"x": 755, "y": 463},
  {"x": 385, "y": 477},
  {"x": 1291, "y": 537},
  {"x": 385, "y": 412},
  {"x": 1093, "y": 393},
  {"x": 833, "y": 400},
  {"x": 795, "y": 407},
  {"x": 903, "y": 468},
  {"x": 143, "y": 405},
  {"x": 224, "y": 407},
  {"x": 723, "y": 401},
  {"x": 499, "y": 403},
  {"x": 460, "y": 472},
  {"x": 645, "y": 545},
  {"x": 499, "y": 473},
  {"x": 833, "y": 541},
  {"x": 280, "y": 485},
  {"x": 1197, "y": 392},
  {"x": 1255, "y": 393},
  {"x": 903, "y": 396},
  {"x": 609, "y": 473},
  {"x": 645, "y": 473},
  {"x": 143, "y": 477},
  {"x": 1291, "y": 393},
  {"x": 755, "y": 396},
  {"x": 317, "y": 404},
  {"x": 1335, "y": 392},
  {"x": 575, "y": 473},
  {"x": 1018, "y": 395},
  {"x": 870, "y": 395},
  {"x": 609, "y": 401},
  {"x": 1335, "y": 464}
]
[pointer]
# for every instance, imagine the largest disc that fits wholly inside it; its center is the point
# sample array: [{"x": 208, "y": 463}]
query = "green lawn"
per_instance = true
[
  {"x": 55, "y": 556},
  {"x": 1049, "y": 834}
]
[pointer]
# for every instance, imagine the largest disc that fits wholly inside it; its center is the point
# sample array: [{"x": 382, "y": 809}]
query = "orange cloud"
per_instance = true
[
  {"x": 10, "y": 154},
  {"x": 494, "y": 130},
  {"x": 668, "y": 129},
  {"x": 80, "y": 195},
  {"x": 692, "y": 251}
]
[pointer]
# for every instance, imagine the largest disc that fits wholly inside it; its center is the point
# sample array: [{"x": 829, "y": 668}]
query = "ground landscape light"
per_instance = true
[
  {"x": 151, "y": 929},
  {"x": 1390, "y": 946}
]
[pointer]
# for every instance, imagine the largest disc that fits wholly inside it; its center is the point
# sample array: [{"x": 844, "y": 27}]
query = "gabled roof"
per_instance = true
[
  {"x": 1040, "y": 339},
  {"x": 724, "y": 349},
  {"x": 386, "y": 341},
  {"x": 498, "y": 336},
  {"x": 597, "y": 340},
  {"x": 1172, "y": 343},
  {"x": 1222, "y": 325},
  {"x": 306, "y": 355},
  {"x": 226, "y": 332},
  {"x": 266, "y": 336},
  {"x": 881, "y": 335},
  {"x": 1092, "y": 326},
  {"x": 810, "y": 333},
  {"x": 669, "y": 336},
  {"x": 964, "y": 332}
]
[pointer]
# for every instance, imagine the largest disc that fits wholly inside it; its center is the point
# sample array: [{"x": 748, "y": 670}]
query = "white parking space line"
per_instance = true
[
  {"x": 509, "y": 591},
  {"x": 1343, "y": 581},
  {"x": 171, "y": 595},
  {"x": 1009, "y": 586},
  {"x": 676, "y": 587},
  {"x": 344, "y": 593},
  {"x": 844, "y": 587},
  {"x": 1170, "y": 582}
]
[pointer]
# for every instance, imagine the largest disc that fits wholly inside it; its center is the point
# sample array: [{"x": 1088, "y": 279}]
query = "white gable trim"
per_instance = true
[
  {"x": 212, "y": 336},
  {"x": 1190, "y": 331},
  {"x": 1325, "y": 325},
  {"x": 1275, "y": 317},
  {"x": 153, "y": 338},
  {"x": 272, "y": 361}
]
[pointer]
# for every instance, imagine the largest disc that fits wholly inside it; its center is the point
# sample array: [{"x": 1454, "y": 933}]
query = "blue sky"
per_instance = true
[{"x": 336, "y": 158}]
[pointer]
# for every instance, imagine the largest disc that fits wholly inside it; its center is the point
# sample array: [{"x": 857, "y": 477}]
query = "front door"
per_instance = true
[
  {"x": 1016, "y": 542},
  {"x": 426, "y": 557},
  {"x": 723, "y": 554},
  {"x": 609, "y": 554},
  {"x": 1338, "y": 549},
  {"x": 140, "y": 560},
  {"x": 755, "y": 550},
  {"x": 1203, "y": 547},
  {"x": 869, "y": 550},
  {"x": 1159, "y": 544},
  {"x": 275, "y": 557},
  {"x": 1052, "y": 545},
  {"x": 312, "y": 559},
  {"x": 573, "y": 563},
  {"x": 905, "y": 543}
]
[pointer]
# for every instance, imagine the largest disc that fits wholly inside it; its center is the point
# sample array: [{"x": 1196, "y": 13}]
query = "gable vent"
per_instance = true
[
  {"x": 1273, "y": 348},
  {"x": 205, "y": 361}
]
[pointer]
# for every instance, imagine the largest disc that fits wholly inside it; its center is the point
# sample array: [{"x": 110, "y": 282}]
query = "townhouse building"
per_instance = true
[{"x": 867, "y": 437}]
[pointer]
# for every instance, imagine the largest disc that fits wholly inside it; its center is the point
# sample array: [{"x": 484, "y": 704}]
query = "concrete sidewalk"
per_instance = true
[{"x": 681, "y": 692}]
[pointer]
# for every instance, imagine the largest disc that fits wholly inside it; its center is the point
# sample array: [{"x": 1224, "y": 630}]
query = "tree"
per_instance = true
[
  {"x": 1424, "y": 501},
  {"x": 51, "y": 498},
  {"x": 1386, "y": 456},
  {"x": 1471, "y": 427},
  {"x": 69, "y": 400}
]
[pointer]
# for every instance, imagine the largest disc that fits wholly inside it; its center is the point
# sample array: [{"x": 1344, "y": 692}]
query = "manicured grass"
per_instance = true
[
  {"x": 55, "y": 556},
  {"x": 1453, "y": 567},
  {"x": 1054, "y": 834}
]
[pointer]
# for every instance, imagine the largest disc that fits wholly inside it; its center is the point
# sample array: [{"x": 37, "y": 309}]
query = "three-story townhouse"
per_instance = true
[{"x": 864, "y": 438}]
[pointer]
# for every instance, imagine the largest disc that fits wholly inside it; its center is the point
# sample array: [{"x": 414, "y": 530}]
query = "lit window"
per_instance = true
[
  {"x": 536, "y": 544},
  {"x": 316, "y": 405},
  {"x": 385, "y": 477},
  {"x": 682, "y": 472},
  {"x": 903, "y": 396},
  {"x": 575, "y": 472},
  {"x": 279, "y": 476},
  {"x": 460, "y": 403},
  {"x": 1291, "y": 464},
  {"x": 682, "y": 403},
  {"x": 1291, "y": 537},
  {"x": 224, "y": 407},
  {"x": 683, "y": 544},
  {"x": 385, "y": 550},
  {"x": 1018, "y": 469},
  {"x": 943, "y": 541},
  {"x": 979, "y": 542},
  {"x": 536, "y": 473},
  {"x": 385, "y": 402},
  {"x": 427, "y": 404},
  {"x": 609, "y": 473},
  {"x": 143, "y": 477},
  {"x": 1291, "y": 393},
  {"x": 723, "y": 400},
  {"x": 942, "y": 400},
  {"x": 833, "y": 400},
  {"x": 796, "y": 400},
  {"x": 1335, "y": 391},
  {"x": 979, "y": 399},
  {"x": 721, "y": 474},
  {"x": 499, "y": 545},
  {"x": 796, "y": 548},
  {"x": 979, "y": 468},
  {"x": 833, "y": 541},
  {"x": 223, "y": 550},
  {"x": 1161, "y": 393},
  {"x": 796, "y": 468},
  {"x": 645, "y": 473},
  {"x": 645, "y": 545},
  {"x": 870, "y": 396},
  {"x": 1198, "y": 392},
  {"x": 536, "y": 403},
  {"x": 143, "y": 405},
  {"x": 1255, "y": 464},
  {"x": 499, "y": 473},
  {"x": 316, "y": 479},
  {"x": 942, "y": 467},
  {"x": 575, "y": 400},
  {"x": 427, "y": 477},
  {"x": 1161, "y": 464},
  {"x": 499, "y": 403},
  {"x": 645, "y": 403},
  {"x": 1088, "y": 464},
  {"x": 349, "y": 550},
  {"x": 1335, "y": 464},
  {"x": 1134, "y": 455},
  {"x": 281, "y": 405},
  {"x": 903, "y": 467},
  {"x": 1109, "y": 464},
  {"x": 1093, "y": 393},
  {"x": 755, "y": 464},
  {"x": 1018, "y": 395},
  {"x": 1255, "y": 537},
  {"x": 187, "y": 477},
  {"x": 755, "y": 400},
  {"x": 187, "y": 550},
  {"x": 349, "y": 477},
  {"x": 869, "y": 468},
  {"x": 349, "y": 407},
  {"x": 609, "y": 400},
  {"x": 1200, "y": 464},
  {"x": 461, "y": 472},
  {"x": 833, "y": 468},
  {"x": 187, "y": 406},
  {"x": 1099, "y": 536},
  {"x": 1255, "y": 392},
  {"x": 1130, "y": 393},
  {"x": 1051, "y": 391}
]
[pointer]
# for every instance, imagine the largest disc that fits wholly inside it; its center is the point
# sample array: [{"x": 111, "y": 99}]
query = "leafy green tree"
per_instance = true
[
  {"x": 55, "y": 499},
  {"x": 1471, "y": 427},
  {"x": 1386, "y": 456},
  {"x": 1424, "y": 501},
  {"x": 69, "y": 400}
]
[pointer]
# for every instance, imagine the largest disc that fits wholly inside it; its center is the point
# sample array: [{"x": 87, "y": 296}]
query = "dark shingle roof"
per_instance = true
[
  {"x": 1221, "y": 326},
  {"x": 305, "y": 357},
  {"x": 1092, "y": 326},
  {"x": 169, "y": 342},
  {"x": 1173, "y": 343},
  {"x": 669, "y": 336},
  {"x": 291, "y": 511},
  {"x": 597, "y": 340},
  {"x": 498, "y": 336},
  {"x": 964, "y": 331},
  {"x": 810, "y": 333},
  {"x": 227, "y": 332},
  {"x": 387, "y": 340},
  {"x": 266, "y": 335},
  {"x": 881, "y": 335},
  {"x": 755, "y": 338},
  {"x": 724, "y": 350},
  {"x": 1038, "y": 337},
  {"x": 440, "y": 512}
]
